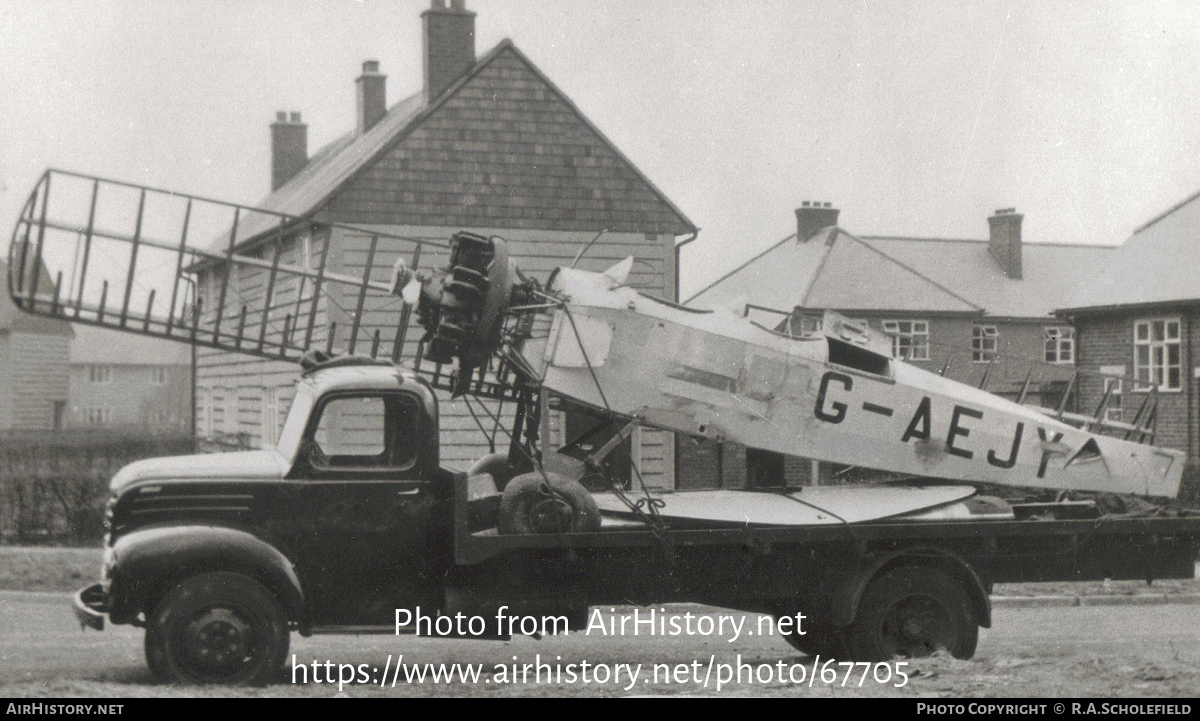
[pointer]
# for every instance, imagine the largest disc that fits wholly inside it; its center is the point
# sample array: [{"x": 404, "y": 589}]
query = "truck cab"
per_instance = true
[{"x": 346, "y": 519}]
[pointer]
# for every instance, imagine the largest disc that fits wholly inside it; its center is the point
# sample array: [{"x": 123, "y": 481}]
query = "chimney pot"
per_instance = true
[
  {"x": 812, "y": 217},
  {"x": 370, "y": 66},
  {"x": 1004, "y": 241},
  {"x": 449, "y": 45},
  {"x": 289, "y": 148}
]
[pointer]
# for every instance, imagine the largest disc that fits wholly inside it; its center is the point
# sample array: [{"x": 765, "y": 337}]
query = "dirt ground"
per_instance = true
[{"x": 1049, "y": 652}]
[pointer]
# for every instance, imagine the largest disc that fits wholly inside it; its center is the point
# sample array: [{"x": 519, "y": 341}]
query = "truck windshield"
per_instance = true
[{"x": 293, "y": 427}]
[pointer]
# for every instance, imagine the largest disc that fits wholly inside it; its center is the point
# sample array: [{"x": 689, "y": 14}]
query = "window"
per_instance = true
[
  {"x": 1157, "y": 354},
  {"x": 158, "y": 376},
  {"x": 226, "y": 400},
  {"x": 799, "y": 325},
  {"x": 983, "y": 343},
  {"x": 99, "y": 374},
  {"x": 1060, "y": 345},
  {"x": 365, "y": 432},
  {"x": 160, "y": 417},
  {"x": 97, "y": 416},
  {"x": 910, "y": 338},
  {"x": 1113, "y": 387}
]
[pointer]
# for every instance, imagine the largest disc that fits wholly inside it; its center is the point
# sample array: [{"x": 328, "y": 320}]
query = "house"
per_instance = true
[
  {"x": 1138, "y": 323},
  {"x": 489, "y": 145},
  {"x": 33, "y": 367},
  {"x": 120, "y": 381},
  {"x": 978, "y": 311}
]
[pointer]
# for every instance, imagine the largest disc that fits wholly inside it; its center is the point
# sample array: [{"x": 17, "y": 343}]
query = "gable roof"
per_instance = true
[
  {"x": 1156, "y": 265},
  {"x": 838, "y": 270},
  {"x": 338, "y": 164}
]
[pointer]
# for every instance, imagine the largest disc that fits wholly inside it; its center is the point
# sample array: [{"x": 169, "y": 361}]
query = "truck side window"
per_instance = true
[{"x": 365, "y": 432}]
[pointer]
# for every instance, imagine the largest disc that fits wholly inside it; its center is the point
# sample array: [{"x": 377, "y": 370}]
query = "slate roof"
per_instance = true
[
  {"x": 1156, "y": 265},
  {"x": 838, "y": 270},
  {"x": 336, "y": 164}
]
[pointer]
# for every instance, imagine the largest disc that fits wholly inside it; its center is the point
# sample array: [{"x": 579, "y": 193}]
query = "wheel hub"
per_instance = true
[
  {"x": 218, "y": 638},
  {"x": 552, "y": 515},
  {"x": 915, "y": 627}
]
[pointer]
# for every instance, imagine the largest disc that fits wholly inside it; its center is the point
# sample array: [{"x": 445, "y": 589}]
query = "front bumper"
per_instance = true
[{"x": 91, "y": 604}]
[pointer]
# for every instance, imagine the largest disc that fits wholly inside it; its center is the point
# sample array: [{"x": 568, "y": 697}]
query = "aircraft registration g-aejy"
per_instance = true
[{"x": 835, "y": 395}]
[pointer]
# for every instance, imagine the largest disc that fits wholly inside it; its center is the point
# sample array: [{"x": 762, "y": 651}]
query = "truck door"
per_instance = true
[{"x": 364, "y": 509}]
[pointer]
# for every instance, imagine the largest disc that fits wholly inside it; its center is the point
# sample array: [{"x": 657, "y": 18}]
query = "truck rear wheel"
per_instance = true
[
  {"x": 825, "y": 641},
  {"x": 217, "y": 628},
  {"x": 911, "y": 612}
]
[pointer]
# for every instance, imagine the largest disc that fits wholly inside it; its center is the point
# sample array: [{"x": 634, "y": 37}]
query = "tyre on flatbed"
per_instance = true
[
  {"x": 217, "y": 628},
  {"x": 913, "y": 611},
  {"x": 547, "y": 503}
]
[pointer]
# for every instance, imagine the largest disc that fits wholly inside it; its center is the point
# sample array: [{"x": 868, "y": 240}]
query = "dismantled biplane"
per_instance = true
[{"x": 835, "y": 395}]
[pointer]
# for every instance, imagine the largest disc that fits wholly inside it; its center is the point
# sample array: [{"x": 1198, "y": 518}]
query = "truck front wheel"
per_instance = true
[
  {"x": 217, "y": 628},
  {"x": 911, "y": 612}
]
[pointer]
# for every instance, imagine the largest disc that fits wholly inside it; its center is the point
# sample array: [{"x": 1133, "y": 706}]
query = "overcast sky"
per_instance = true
[{"x": 914, "y": 118}]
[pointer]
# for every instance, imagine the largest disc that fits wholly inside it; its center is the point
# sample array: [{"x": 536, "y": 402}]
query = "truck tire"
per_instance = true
[
  {"x": 496, "y": 465},
  {"x": 913, "y": 611},
  {"x": 550, "y": 503},
  {"x": 824, "y": 641},
  {"x": 217, "y": 628}
]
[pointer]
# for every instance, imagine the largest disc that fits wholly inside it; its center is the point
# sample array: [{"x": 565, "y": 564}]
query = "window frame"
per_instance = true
[
  {"x": 1066, "y": 334},
  {"x": 96, "y": 416},
  {"x": 1118, "y": 385},
  {"x": 898, "y": 336},
  {"x": 100, "y": 373},
  {"x": 979, "y": 353},
  {"x": 1164, "y": 345},
  {"x": 392, "y": 415}
]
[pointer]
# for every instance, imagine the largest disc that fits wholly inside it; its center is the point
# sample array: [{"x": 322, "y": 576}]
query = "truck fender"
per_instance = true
[
  {"x": 848, "y": 587},
  {"x": 149, "y": 562}
]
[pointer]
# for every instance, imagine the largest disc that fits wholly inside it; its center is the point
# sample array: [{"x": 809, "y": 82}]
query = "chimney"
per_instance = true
[
  {"x": 813, "y": 216},
  {"x": 289, "y": 148},
  {"x": 1004, "y": 241},
  {"x": 449, "y": 44},
  {"x": 372, "y": 96}
]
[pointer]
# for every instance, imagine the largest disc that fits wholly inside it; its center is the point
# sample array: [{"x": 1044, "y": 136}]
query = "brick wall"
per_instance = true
[{"x": 1107, "y": 340}]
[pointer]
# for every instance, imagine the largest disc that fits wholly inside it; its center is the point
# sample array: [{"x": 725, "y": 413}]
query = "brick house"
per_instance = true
[
  {"x": 129, "y": 382},
  {"x": 34, "y": 355},
  {"x": 973, "y": 309},
  {"x": 489, "y": 145},
  {"x": 1138, "y": 324}
]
